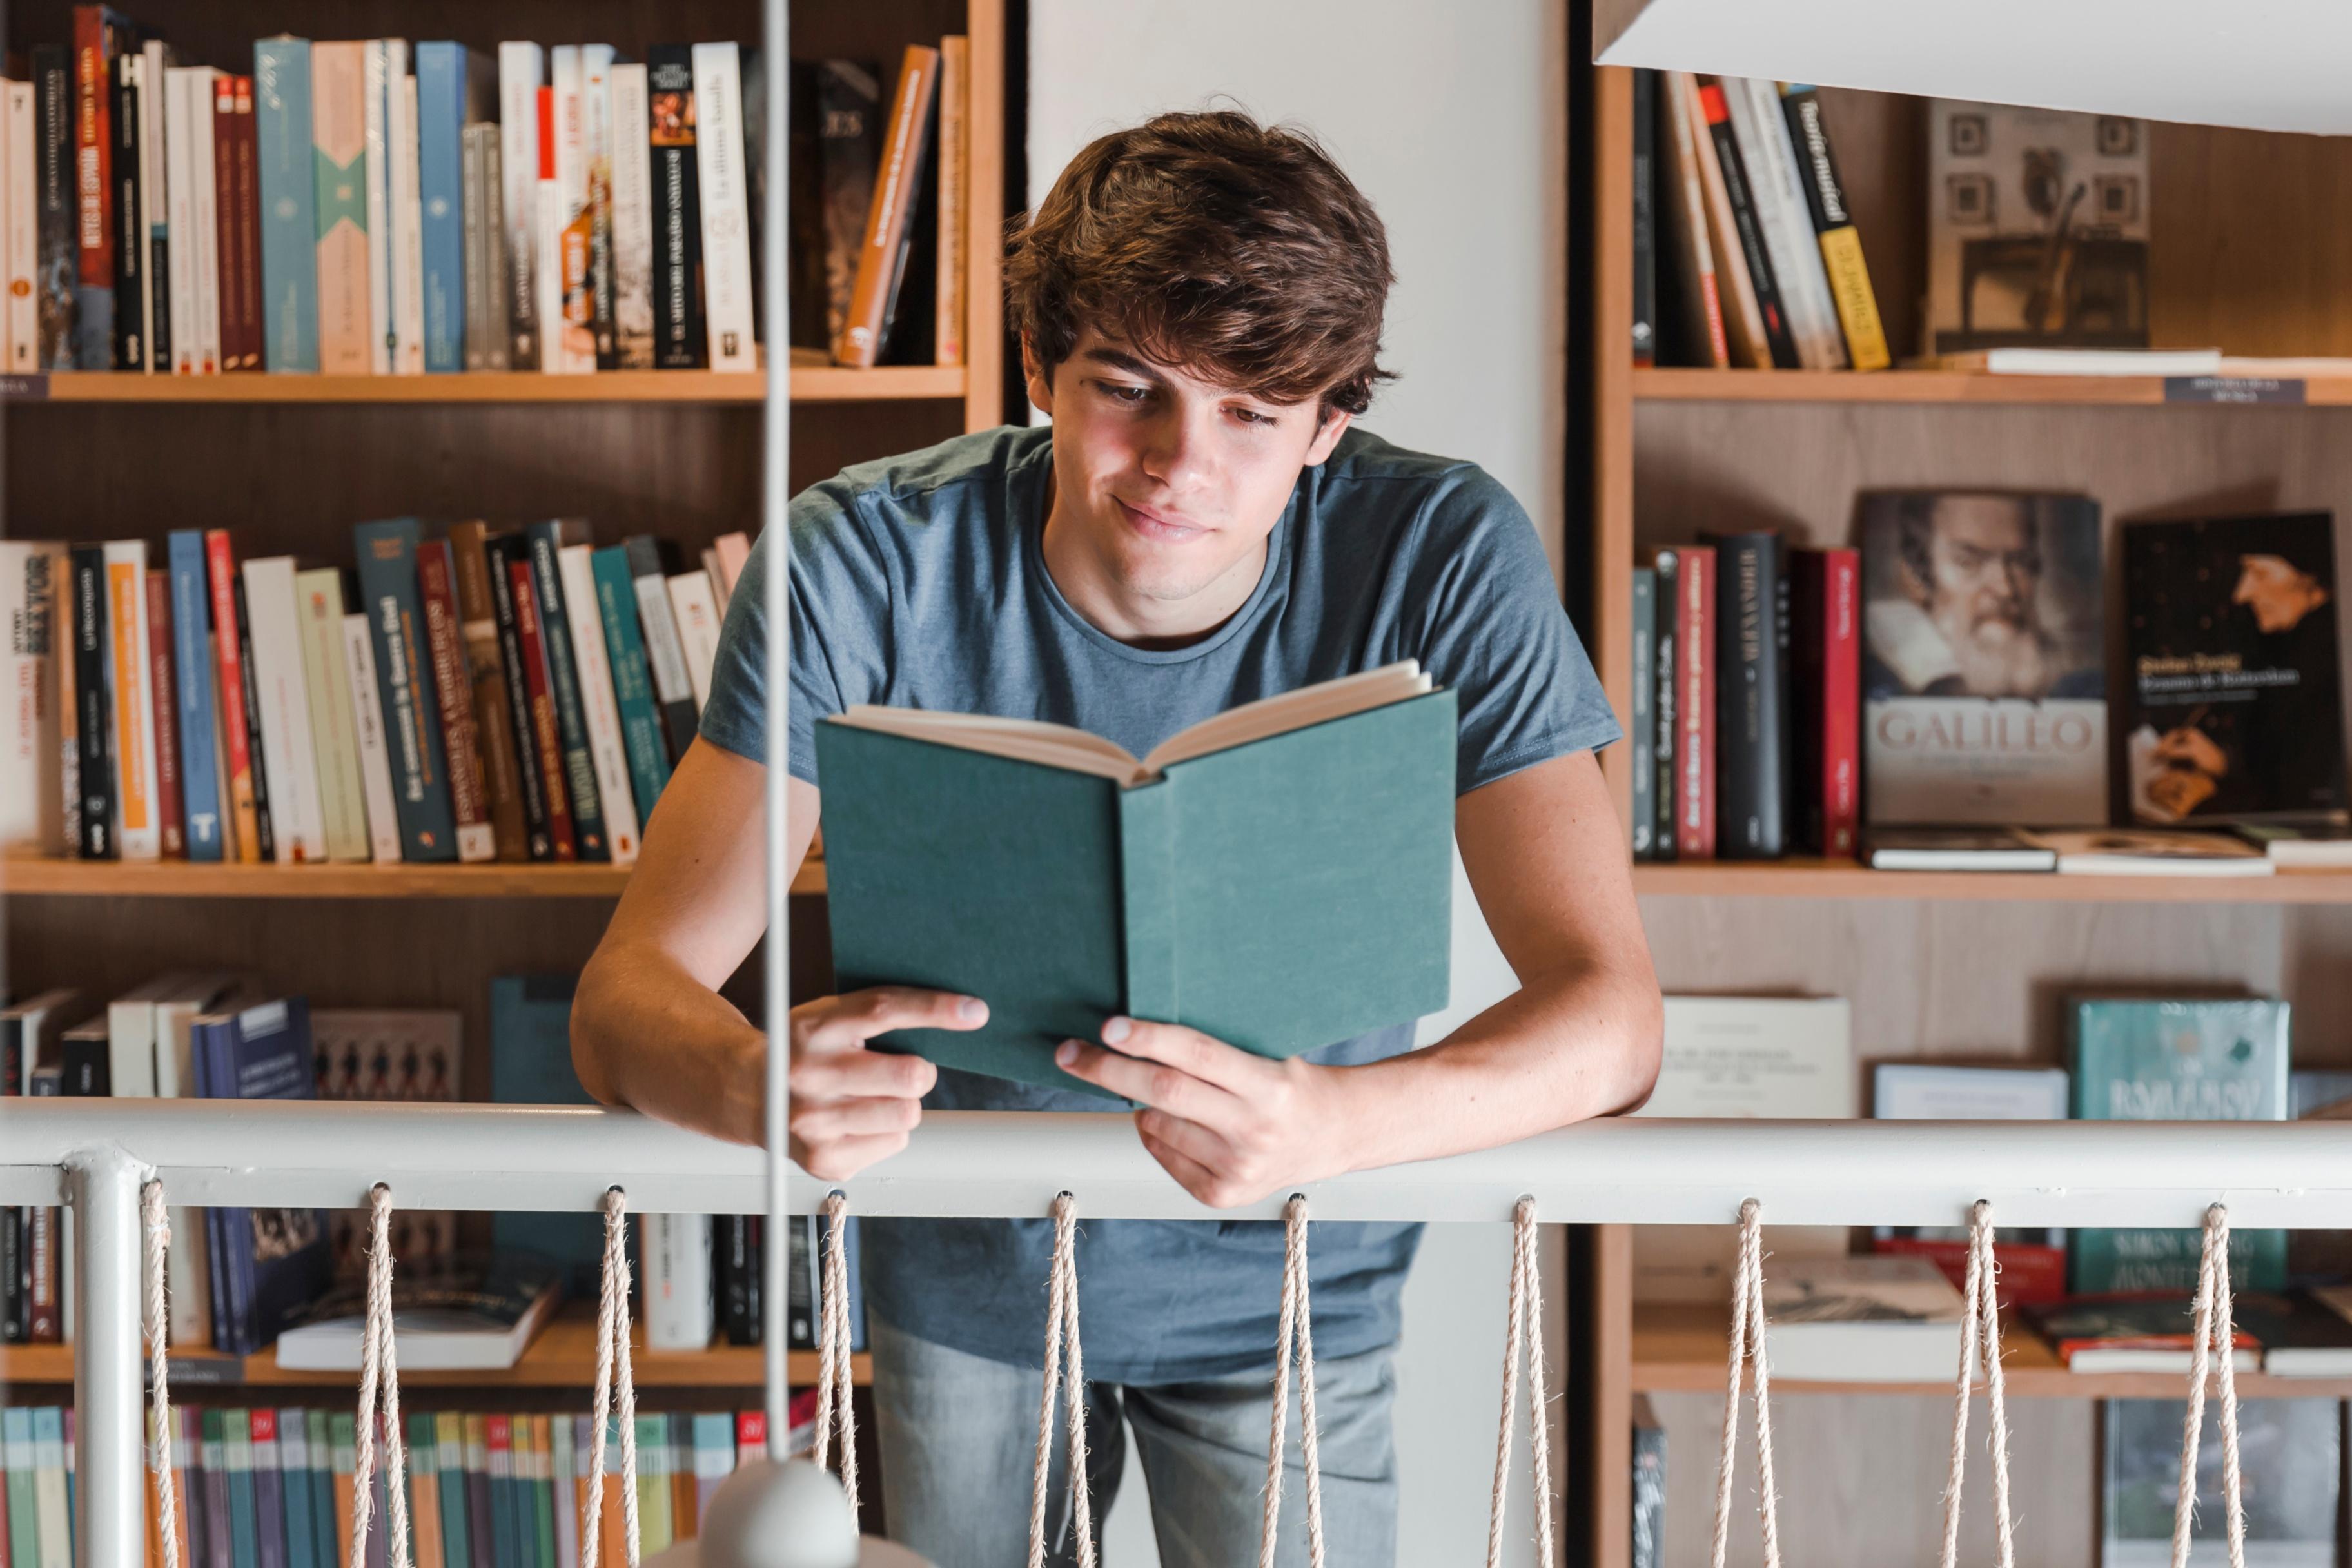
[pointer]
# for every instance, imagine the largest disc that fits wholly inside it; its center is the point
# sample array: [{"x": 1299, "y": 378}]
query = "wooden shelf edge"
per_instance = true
[
  {"x": 563, "y": 1367},
  {"x": 1805, "y": 877},
  {"x": 828, "y": 383},
  {"x": 1672, "y": 384},
  {"x": 30, "y": 875}
]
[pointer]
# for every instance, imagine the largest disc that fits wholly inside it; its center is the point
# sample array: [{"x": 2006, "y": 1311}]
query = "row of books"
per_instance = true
[
  {"x": 1951, "y": 672},
  {"x": 486, "y": 1490},
  {"x": 490, "y": 695},
  {"x": 367, "y": 207}
]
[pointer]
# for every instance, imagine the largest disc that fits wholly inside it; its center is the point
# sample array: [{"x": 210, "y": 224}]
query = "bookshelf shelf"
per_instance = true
[
  {"x": 811, "y": 383},
  {"x": 1680, "y": 1349},
  {"x": 563, "y": 1357},
  {"x": 1680, "y": 384},
  {"x": 27, "y": 876},
  {"x": 1816, "y": 878}
]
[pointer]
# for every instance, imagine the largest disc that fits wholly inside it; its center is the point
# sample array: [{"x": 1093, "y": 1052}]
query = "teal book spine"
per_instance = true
[
  {"x": 1281, "y": 895},
  {"x": 237, "y": 1447},
  {"x": 507, "y": 1545},
  {"x": 563, "y": 679},
  {"x": 323, "y": 1487},
  {"x": 452, "y": 1522},
  {"x": 289, "y": 203},
  {"x": 386, "y": 557},
  {"x": 633, "y": 687},
  {"x": 294, "y": 1486},
  {"x": 2147, "y": 1060},
  {"x": 16, "y": 1434}
]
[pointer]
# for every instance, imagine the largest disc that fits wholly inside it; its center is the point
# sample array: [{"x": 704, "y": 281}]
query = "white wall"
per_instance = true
[{"x": 1452, "y": 120}]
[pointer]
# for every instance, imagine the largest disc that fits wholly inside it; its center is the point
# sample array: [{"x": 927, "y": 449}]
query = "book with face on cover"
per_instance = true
[{"x": 1278, "y": 877}]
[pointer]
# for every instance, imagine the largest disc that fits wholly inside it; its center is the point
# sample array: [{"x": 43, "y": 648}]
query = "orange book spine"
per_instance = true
[{"x": 883, "y": 254}]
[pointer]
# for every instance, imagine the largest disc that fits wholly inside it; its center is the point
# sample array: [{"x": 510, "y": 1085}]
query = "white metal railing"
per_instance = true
[{"x": 95, "y": 1156}]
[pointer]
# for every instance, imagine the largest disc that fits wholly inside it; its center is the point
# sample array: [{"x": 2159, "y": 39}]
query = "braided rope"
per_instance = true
[
  {"x": 157, "y": 1224},
  {"x": 1746, "y": 1343},
  {"x": 379, "y": 1374},
  {"x": 1062, "y": 1344},
  {"x": 611, "y": 1367},
  {"x": 1523, "y": 1325},
  {"x": 833, "y": 1409},
  {"x": 2215, "y": 1335},
  {"x": 1295, "y": 1328},
  {"x": 1981, "y": 1336}
]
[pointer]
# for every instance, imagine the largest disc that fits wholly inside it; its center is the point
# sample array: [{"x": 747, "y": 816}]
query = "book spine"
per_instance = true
[
  {"x": 162, "y": 692},
  {"x": 367, "y": 725},
  {"x": 441, "y": 191},
  {"x": 955, "y": 175},
  {"x": 339, "y": 134},
  {"x": 681, "y": 341},
  {"x": 1839, "y": 697},
  {"x": 546, "y": 242},
  {"x": 24, "y": 245},
  {"x": 204, "y": 324},
  {"x": 289, "y": 209},
  {"x": 1702, "y": 283},
  {"x": 546, "y": 738},
  {"x": 641, "y": 725},
  {"x": 180, "y": 197},
  {"x": 129, "y": 250},
  {"x": 56, "y": 202},
  {"x": 633, "y": 222},
  {"x": 1739, "y": 203},
  {"x": 1769, "y": 164},
  {"x": 474, "y": 267},
  {"x": 501, "y": 553},
  {"x": 137, "y": 823},
  {"x": 288, "y": 754},
  {"x": 1748, "y": 681},
  {"x": 599, "y": 710},
  {"x": 1834, "y": 228},
  {"x": 493, "y": 718},
  {"x": 407, "y": 335},
  {"x": 692, "y": 597},
  {"x": 1645, "y": 228},
  {"x": 334, "y": 728},
  {"x": 221, "y": 579},
  {"x": 883, "y": 253},
  {"x": 1694, "y": 738},
  {"x": 386, "y": 554},
  {"x": 436, "y": 583},
  {"x": 574, "y": 328},
  {"x": 12, "y": 1276},
  {"x": 376, "y": 134},
  {"x": 145, "y": 227},
  {"x": 265, "y": 835},
  {"x": 677, "y": 1281},
  {"x": 238, "y": 215},
  {"x": 96, "y": 37},
  {"x": 596, "y": 136},
  {"x": 665, "y": 653},
  {"x": 32, "y": 598},
  {"x": 549, "y": 609},
  {"x": 94, "y": 720},
  {"x": 521, "y": 67},
  {"x": 724, "y": 193},
  {"x": 1643, "y": 726}
]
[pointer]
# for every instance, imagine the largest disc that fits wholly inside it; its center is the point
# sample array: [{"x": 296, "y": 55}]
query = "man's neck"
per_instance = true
[{"x": 1139, "y": 620}]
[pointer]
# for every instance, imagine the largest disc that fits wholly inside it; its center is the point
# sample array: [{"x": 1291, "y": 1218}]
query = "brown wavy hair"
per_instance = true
[{"x": 1236, "y": 251}]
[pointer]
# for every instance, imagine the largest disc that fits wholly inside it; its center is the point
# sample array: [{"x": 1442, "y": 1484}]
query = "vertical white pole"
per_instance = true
[
  {"x": 106, "y": 1411},
  {"x": 775, "y": 490}
]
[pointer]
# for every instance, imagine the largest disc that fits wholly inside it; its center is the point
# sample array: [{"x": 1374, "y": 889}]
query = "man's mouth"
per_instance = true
[{"x": 1155, "y": 525}]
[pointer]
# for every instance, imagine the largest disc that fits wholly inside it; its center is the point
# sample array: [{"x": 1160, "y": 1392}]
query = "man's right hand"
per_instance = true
[{"x": 851, "y": 1106}]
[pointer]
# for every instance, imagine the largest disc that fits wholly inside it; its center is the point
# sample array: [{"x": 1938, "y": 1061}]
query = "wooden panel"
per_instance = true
[
  {"x": 983, "y": 336},
  {"x": 1802, "y": 876},
  {"x": 1613, "y": 435},
  {"x": 811, "y": 383},
  {"x": 1678, "y": 384},
  {"x": 25, "y": 875}
]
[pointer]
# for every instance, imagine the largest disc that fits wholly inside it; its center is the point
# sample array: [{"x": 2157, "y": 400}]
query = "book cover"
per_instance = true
[
  {"x": 1825, "y": 699},
  {"x": 287, "y": 166},
  {"x": 649, "y": 566},
  {"x": 33, "y": 593},
  {"x": 23, "y": 230},
  {"x": 889, "y": 220},
  {"x": 288, "y": 749},
  {"x": 724, "y": 198},
  {"x": 221, "y": 581},
  {"x": 553, "y": 615},
  {"x": 632, "y": 220},
  {"x": 1754, "y": 342},
  {"x": 679, "y": 339},
  {"x": 2138, "y": 1060},
  {"x": 386, "y": 556},
  {"x": 444, "y": 641},
  {"x": 2033, "y": 1262},
  {"x": 276, "y": 1258},
  {"x": 161, "y": 691},
  {"x": 94, "y": 703},
  {"x": 2038, "y": 225},
  {"x": 138, "y": 818},
  {"x": 367, "y": 727},
  {"x": 2291, "y": 1458},
  {"x": 1834, "y": 228},
  {"x": 1768, "y": 158},
  {"x": 338, "y": 137},
  {"x": 455, "y": 87},
  {"x": 521, "y": 70},
  {"x": 1751, "y": 698},
  {"x": 1239, "y": 892},
  {"x": 641, "y": 725},
  {"x": 598, "y": 706},
  {"x": 493, "y": 731},
  {"x": 1644, "y": 725},
  {"x": 1984, "y": 680},
  {"x": 1694, "y": 638},
  {"x": 237, "y": 218},
  {"x": 2233, "y": 710},
  {"x": 543, "y": 730},
  {"x": 501, "y": 553},
  {"x": 58, "y": 206},
  {"x": 335, "y": 728}
]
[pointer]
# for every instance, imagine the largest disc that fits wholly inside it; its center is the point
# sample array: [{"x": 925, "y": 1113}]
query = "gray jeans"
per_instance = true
[{"x": 957, "y": 1436}]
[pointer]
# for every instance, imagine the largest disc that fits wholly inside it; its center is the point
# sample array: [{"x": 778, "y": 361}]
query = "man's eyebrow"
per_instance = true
[{"x": 1120, "y": 360}]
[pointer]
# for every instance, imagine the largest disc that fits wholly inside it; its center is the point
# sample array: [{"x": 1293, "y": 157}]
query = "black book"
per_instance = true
[
  {"x": 12, "y": 1276},
  {"x": 251, "y": 682},
  {"x": 649, "y": 569},
  {"x": 1645, "y": 218},
  {"x": 87, "y": 1071},
  {"x": 2234, "y": 708},
  {"x": 1750, "y": 694},
  {"x": 56, "y": 208},
  {"x": 94, "y": 696},
  {"x": 501, "y": 551},
  {"x": 740, "y": 1259},
  {"x": 1752, "y": 239},
  {"x": 679, "y": 341},
  {"x": 563, "y": 681},
  {"x": 910, "y": 312},
  {"x": 130, "y": 239},
  {"x": 1665, "y": 708},
  {"x": 836, "y": 145}
]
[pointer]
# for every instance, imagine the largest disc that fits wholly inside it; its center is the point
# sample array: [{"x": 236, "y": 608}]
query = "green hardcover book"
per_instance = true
[
  {"x": 449, "y": 1430},
  {"x": 2147, "y": 1060},
  {"x": 324, "y": 1534},
  {"x": 1278, "y": 877},
  {"x": 244, "y": 1524},
  {"x": 633, "y": 689},
  {"x": 653, "y": 1483},
  {"x": 542, "y": 1491}
]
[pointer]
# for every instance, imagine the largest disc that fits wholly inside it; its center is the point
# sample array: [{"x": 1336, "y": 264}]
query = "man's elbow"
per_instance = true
[
  {"x": 588, "y": 1061},
  {"x": 1645, "y": 1046}
]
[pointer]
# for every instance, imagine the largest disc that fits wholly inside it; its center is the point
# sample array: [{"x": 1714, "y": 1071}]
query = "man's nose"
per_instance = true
[{"x": 1178, "y": 454}]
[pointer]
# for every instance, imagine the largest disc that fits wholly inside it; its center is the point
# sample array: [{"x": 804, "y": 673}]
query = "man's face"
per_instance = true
[
  {"x": 1986, "y": 568},
  {"x": 2277, "y": 593},
  {"x": 1171, "y": 482}
]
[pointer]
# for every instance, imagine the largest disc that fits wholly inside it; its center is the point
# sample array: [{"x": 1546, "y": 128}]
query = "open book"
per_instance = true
[{"x": 1279, "y": 875}]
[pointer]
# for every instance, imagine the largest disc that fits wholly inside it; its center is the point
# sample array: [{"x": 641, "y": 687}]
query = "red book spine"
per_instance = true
[
  {"x": 94, "y": 146},
  {"x": 543, "y": 732},
  {"x": 220, "y": 564},
  {"x": 167, "y": 715},
  {"x": 459, "y": 738},
  {"x": 44, "y": 1323},
  {"x": 1694, "y": 647},
  {"x": 236, "y": 158},
  {"x": 1840, "y": 701}
]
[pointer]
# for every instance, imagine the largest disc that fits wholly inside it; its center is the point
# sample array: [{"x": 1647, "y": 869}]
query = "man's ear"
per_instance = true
[
  {"x": 1328, "y": 436},
  {"x": 1040, "y": 385}
]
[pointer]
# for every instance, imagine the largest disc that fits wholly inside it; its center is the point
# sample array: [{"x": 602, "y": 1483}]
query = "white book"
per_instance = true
[
  {"x": 696, "y": 609},
  {"x": 2119, "y": 362},
  {"x": 663, "y": 653},
  {"x": 632, "y": 220},
  {"x": 23, "y": 230},
  {"x": 2132, "y": 852},
  {"x": 479, "y": 1324},
  {"x": 1777, "y": 195},
  {"x": 377, "y": 75},
  {"x": 138, "y": 806},
  {"x": 547, "y": 248},
  {"x": 408, "y": 233},
  {"x": 1924, "y": 1091},
  {"x": 33, "y": 596},
  {"x": 521, "y": 68},
  {"x": 571, "y": 332},
  {"x": 565, "y": 76},
  {"x": 596, "y": 156},
  {"x": 187, "y": 1258},
  {"x": 598, "y": 704},
  {"x": 287, "y": 756},
  {"x": 677, "y": 1260},
  {"x": 724, "y": 193},
  {"x": 202, "y": 322},
  {"x": 1876, "y": 1318},
  {"x": 367, "y": 722},
  {"x": 181, "y": 219},
  {"x": 131, "y": 1038},
  {"x": 342, "y": 798},
  {"x": 152, "y": 222}
]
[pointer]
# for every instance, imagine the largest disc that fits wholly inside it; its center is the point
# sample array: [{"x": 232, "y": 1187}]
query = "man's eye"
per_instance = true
[
  {"x": 1252, "y": 417},
  {"x": 1127, "y": 395}
]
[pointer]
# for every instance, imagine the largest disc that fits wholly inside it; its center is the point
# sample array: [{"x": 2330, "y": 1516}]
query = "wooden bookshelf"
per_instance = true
[
  {"x": 186, "y": 880},
  {"x": 1803, "y": 877},
  {"x": 827, "y": 384},
  {"x": 1669, "y": 384}
]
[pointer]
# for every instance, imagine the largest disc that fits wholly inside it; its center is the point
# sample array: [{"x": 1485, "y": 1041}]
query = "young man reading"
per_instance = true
[{"x": 1199, "y": 301}]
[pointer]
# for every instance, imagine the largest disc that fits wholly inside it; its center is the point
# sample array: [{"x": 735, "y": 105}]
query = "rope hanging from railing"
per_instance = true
[
  {"x": 614, "y": 1380},
  {"x": 1981, "y": 1336},
  {"x": 1296, "y": 1331},
  {"x": 1523, "y": 1326},
  {"x": 2215, "y": 1335},
  {"x": 1747, "y": 1343},
  {"x": 833, "y": 1410},
  {"x": 157, "y": 1225},
  {"x": 1062, "y": 1345},
  {"x": 379, "y": 1374}
]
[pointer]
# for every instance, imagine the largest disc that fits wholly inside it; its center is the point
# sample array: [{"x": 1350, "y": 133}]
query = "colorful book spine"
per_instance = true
[
  {"x": 375, "y": 754},
  {"x": 521, "y": 68},
  {"x": 170, "y": 806},
  {"x": 238, "y": 210},
  {"x": 450, "y": 84},
  {"x": 243, "y": 1521},
  {"x": 161, "y": 123},
  {"x": 288, "y": 168},
  {"x": 339, "y": 136},
  {"x": 653, "y": 1483},
  {"x": 288, "y": 753},
  {"x": 1825, "y": 613},
  {"x": 481, "y": 1539},
  {"x": 565, "y": 1461},
  {"x": 294, "y": 1461},
  {"x": 449, "y": 1435},
  {"x": 1643, "y": 726},
  {"x": 1769, "y": 160},
  {"x": 99, "y": 33},
  {"x": 596, "y": 147},
  {"x": 547, "y": 243},
  {"x": 679, "y": 340},
  {"x": 545, "y": 732},
  {"x": 951, "y": 273},
  {"x": 574, "y": 339},
  {"x": 505, "y": 1518},
  {"x": 268, "y": 1491},
  {"x": 554, "y": 617},
  {"x": 493, "y": 722},
  {"x": 221, "y": 581},
  {"x": 883, "y": 254},
  {"x": 1695, "y": 633},
  {"x": 693, "y": 597},
  {"x": 137, "y": 817},
  {"x": 334, "y": 728},
  {"x": 665, "y": 653},
  {"x": 599, "y": 705},
  {"x": 501, "y": 553},
  {"x": 641, "y": 725},
  {"x": 424, "y": 1491},
  {"x": 1743, "y": 229},
  {"x": 633, "y": 222},
  {"x": 1833, "y": 229},
  {"x": 325, "y": 1532},
  {"x": 444, "y": 641},
  {"x": 343, "y": 1466},
  {"x": 386, "y": 554}
]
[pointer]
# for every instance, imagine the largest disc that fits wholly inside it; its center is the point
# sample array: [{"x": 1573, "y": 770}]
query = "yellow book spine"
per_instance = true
[
  {"x": 126, "y": 589},
  {"x": 1857, "y": 305}
]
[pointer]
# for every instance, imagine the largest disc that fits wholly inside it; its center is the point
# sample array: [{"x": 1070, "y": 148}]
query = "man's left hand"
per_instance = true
[{"x": 1230, "y": 1126}]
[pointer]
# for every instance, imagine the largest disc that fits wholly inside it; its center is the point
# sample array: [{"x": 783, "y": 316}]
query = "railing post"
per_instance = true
[{"x": 107, "y": 1414}]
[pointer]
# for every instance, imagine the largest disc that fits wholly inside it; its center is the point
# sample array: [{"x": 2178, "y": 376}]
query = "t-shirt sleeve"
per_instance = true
[
  {"x": 840, "y": 605},
  {"x": 1491, "y": 626}
]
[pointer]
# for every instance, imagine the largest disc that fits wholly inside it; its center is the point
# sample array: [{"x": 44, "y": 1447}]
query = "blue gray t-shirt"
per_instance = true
[{"x": 919, "y": 582}]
